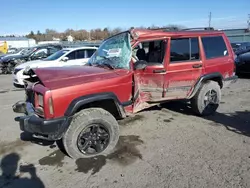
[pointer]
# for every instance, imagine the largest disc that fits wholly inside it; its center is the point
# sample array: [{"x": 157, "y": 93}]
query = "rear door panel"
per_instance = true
[{"x": 182, "y": 75}]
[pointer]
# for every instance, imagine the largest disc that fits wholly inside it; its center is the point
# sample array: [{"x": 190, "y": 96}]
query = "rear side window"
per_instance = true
[
  {"x": 90, "y": 52},
  {"x": 184, "y": 49},
  {"x": 80, "y": 54},
  {"x": 214, "y": 47},
  {"x": 71, "y": 55}
]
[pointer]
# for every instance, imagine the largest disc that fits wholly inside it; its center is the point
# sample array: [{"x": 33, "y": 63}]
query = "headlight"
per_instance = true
[
  {"x": 26, "y": 70},
  {"x": 40, "y": 100}
]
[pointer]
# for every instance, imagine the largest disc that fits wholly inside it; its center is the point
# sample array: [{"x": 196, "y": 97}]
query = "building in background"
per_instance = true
[
  {"x": 48, "y": 42},
  {"x": 70, "y": 38},
  {"x": 18, "y": 42},
  {"x": 238, "y": 35}
]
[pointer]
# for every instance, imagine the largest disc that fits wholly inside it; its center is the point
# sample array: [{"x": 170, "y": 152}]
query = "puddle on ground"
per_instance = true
[
  {"x": 21, "y": 89},
  {"x": 4, "y": 91},
  {"x": 8, "y": 147},
  {"x": 52, "y": 146},
  {"x": 167, "y": 120},
  {"x": 129, "y": 120},
  {"x": 53, "y": 159},
  {"x": 9, "y": 90},
  {"x": 95, "y": 164},
  {"x": 126, "y": 153}
]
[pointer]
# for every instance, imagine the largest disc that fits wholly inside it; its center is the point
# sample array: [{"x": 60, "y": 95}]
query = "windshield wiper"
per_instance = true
[{"x": 107, "y": 64}]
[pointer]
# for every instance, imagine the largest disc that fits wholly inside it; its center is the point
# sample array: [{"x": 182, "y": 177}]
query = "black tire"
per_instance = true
[
  {"x": 198, "y": 101},
  {"x": 80, "y": 122}
]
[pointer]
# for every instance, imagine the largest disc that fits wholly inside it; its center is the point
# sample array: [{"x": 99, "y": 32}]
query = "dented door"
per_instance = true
[
  {"x": 148, "y": 86},
  {"x": 150, "y": 82}
]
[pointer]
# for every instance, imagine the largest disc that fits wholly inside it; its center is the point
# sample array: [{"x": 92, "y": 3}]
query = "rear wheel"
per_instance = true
[
  {"x": 207, "y": 99},
  {"x": 92, "y": 132}
]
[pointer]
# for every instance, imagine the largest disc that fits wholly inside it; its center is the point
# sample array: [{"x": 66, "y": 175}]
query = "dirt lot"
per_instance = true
[{"x": 164, "y": 146}]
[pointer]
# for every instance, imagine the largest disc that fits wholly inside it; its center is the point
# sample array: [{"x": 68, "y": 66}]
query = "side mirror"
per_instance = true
[
  {"x": 140, "y": 65},
  {"x": 65, "y": 59}
]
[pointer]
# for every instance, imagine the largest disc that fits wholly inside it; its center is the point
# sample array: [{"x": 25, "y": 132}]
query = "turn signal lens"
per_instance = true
[
  {"x": 51, "y": 110},
  {"x": 40, "y": 100}
]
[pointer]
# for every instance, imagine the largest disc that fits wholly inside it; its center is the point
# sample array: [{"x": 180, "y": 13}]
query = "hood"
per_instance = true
[
  {"x": 57, "y": 77},
  {"x": 2, "y": 55},
  {"x": 31, "y": 64},
  {"x": 14, "y": 56}
]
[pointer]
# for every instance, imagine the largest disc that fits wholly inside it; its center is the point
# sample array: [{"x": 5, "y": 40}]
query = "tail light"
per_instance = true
[
  {"x": 39, "y": 111},
  {"x": 40, "y": 100},
  {"x": 39, "y": 104},
  {"x": 44, "y": 105}
]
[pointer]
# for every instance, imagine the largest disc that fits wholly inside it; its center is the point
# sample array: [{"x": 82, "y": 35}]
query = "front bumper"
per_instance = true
[{"x": 52, "y": 129}]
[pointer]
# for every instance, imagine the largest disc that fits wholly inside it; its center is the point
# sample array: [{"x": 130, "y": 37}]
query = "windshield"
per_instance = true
[
  {"x": 29, "y": 51},
  {"x": 115, "y": 52},
  {"x": 24, "y": 51},
  {"x": 56, "y": 55}
]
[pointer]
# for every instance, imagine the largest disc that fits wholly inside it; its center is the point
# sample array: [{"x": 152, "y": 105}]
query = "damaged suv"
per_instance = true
[{"x": 129, "y": 72}]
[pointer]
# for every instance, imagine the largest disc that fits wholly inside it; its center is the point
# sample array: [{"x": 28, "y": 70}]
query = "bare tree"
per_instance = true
[{"x": 93, "y": 34}]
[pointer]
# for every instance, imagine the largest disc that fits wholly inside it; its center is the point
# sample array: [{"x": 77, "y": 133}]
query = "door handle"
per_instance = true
[
  {"x": 197, "y": 65},
  {"x": 159, "y": 71}
]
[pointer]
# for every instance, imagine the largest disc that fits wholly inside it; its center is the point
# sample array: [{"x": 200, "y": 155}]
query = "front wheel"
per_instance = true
[
  {"x": 207, "y": 99},
  {"x": 92, "y": 132}
]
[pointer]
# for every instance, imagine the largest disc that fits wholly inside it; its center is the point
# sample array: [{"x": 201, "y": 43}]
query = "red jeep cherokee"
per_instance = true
[{"x": 130, "y": 71}]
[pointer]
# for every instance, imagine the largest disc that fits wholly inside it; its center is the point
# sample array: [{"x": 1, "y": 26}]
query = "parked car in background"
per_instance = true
[
  {"x": 19, "y": 51},
  {"x": 129, "y": 72},
  {"x": 240, "y": 47},
  {"x": 39, "y": 52},
  {"x": 242, "y": 62},
  {"x": 12, "y": 50},
  {"x": 64, "y": 57},
  {"x": 242, "y": 59}
]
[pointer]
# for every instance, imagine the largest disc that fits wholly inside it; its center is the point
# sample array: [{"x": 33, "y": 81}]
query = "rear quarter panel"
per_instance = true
[{"x": 224, "y": 65}]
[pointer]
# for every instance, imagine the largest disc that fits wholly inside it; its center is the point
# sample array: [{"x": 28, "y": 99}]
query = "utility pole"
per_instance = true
[
  {"x": 209, "y": 19},
  {"x": 248, "y": 22}
]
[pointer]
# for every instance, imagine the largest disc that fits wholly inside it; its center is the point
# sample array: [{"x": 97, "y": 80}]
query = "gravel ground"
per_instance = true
[{"x": 165, "y": 146}]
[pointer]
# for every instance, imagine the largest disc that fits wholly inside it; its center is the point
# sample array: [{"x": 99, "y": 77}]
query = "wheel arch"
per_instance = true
[
  {"x": 107, "y": 101},
  {"x": 217, "y": 77}
]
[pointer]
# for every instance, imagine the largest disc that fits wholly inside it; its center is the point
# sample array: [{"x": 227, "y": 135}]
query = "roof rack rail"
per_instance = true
[
  {"x": 198, "y": 28},
  {"x": 164, "y": 28}
]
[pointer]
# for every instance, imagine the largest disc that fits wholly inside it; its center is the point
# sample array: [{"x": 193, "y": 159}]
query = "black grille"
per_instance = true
[{"x": 30, "y": 96}]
